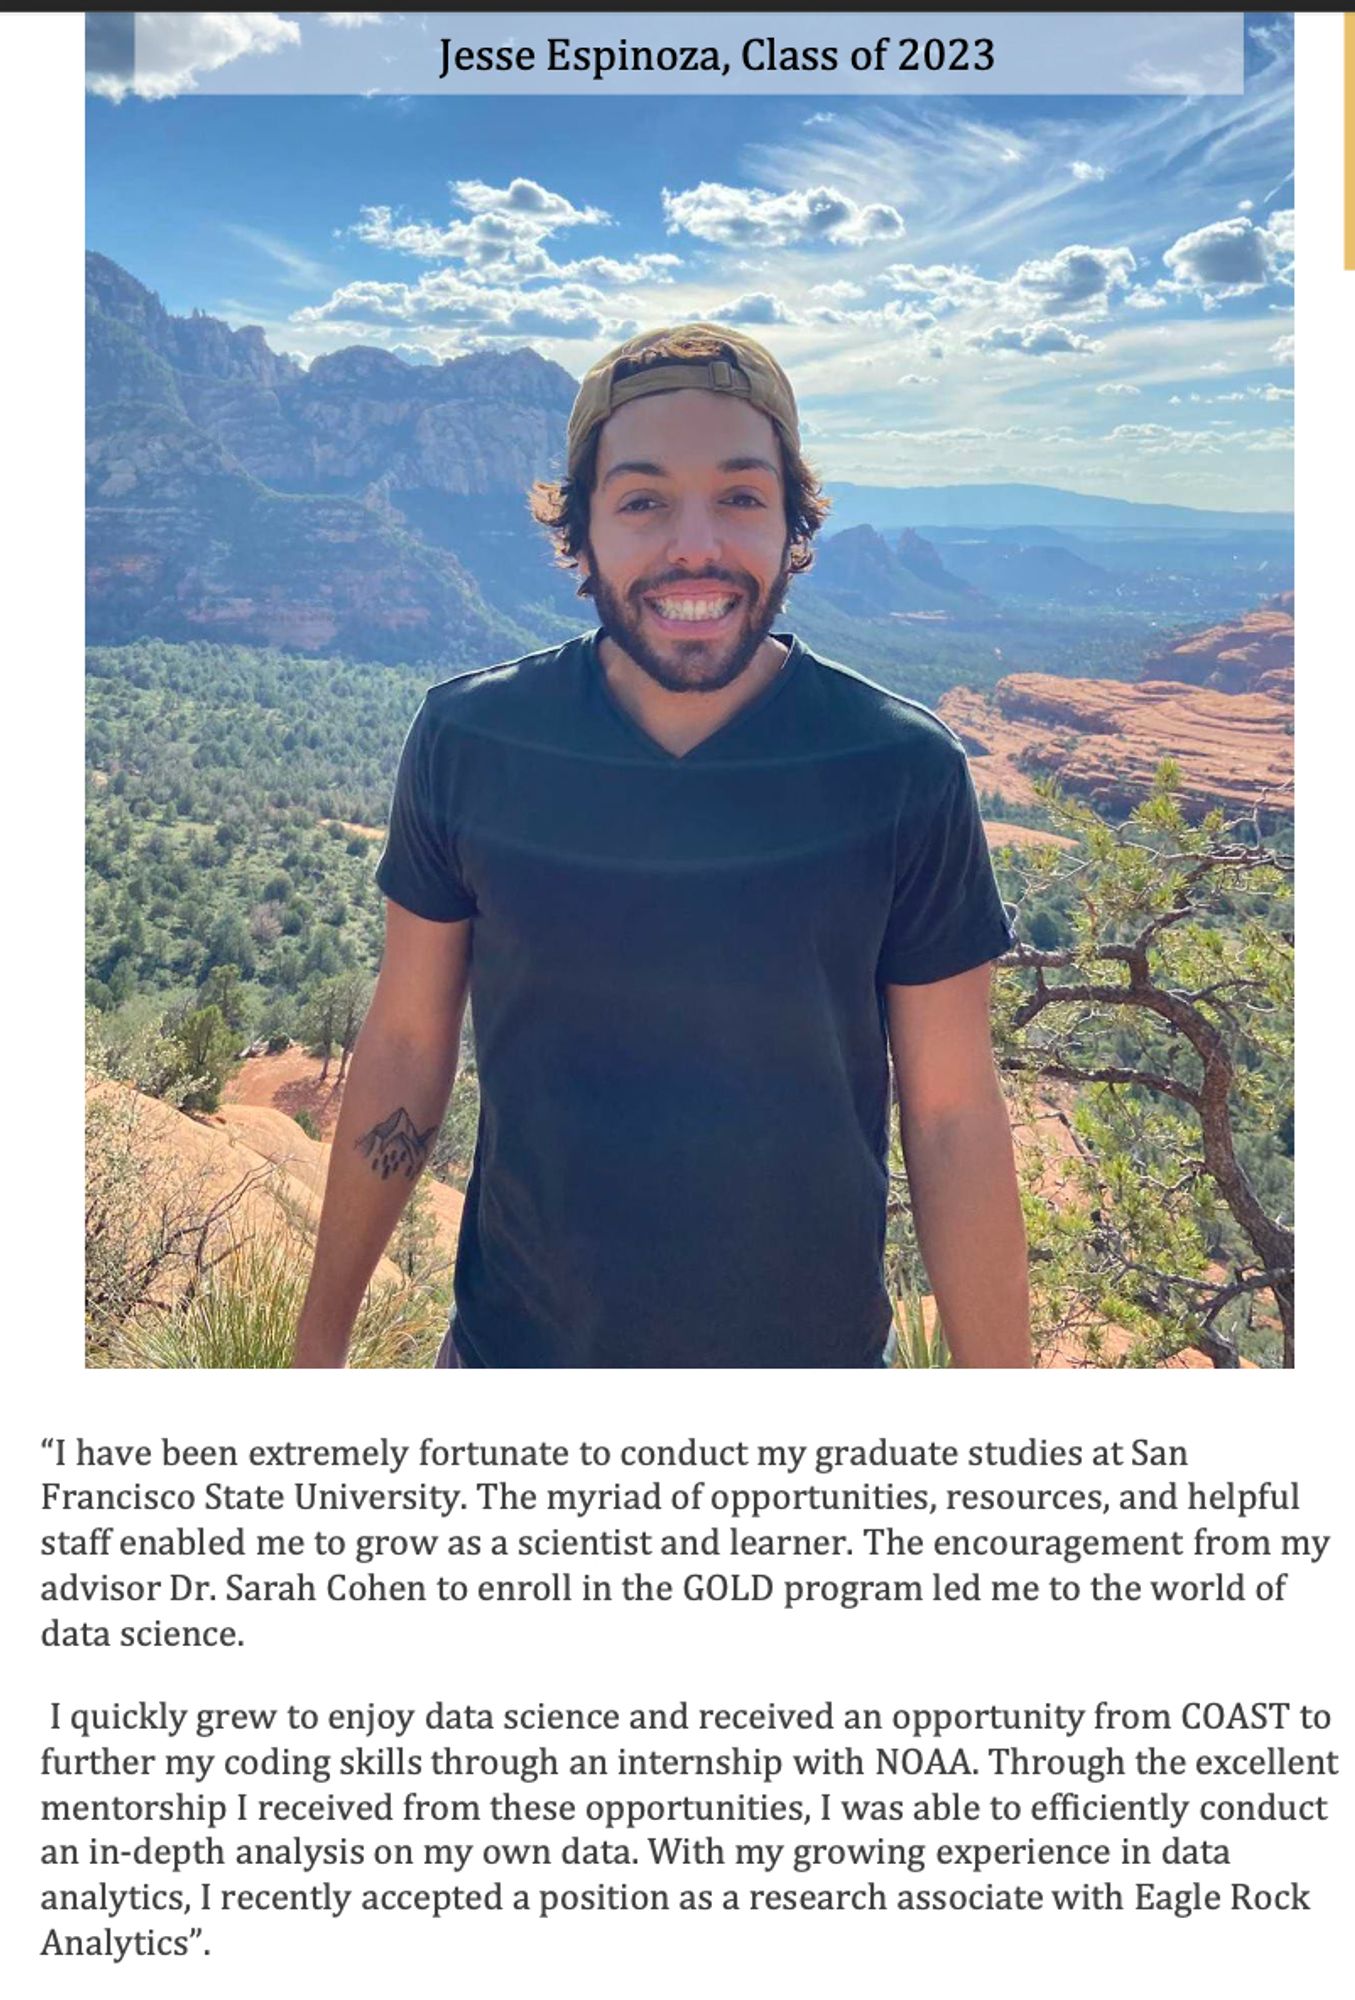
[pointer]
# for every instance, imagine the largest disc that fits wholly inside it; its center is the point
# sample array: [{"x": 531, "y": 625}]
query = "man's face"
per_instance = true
[{"x": 688, "y": 550}]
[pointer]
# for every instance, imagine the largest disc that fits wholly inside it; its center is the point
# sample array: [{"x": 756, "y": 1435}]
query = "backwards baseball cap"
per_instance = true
[{"x": 653, "y": 363}]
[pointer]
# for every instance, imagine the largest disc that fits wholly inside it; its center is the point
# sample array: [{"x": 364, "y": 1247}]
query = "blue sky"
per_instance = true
[{"x": 1086, "y": 292}]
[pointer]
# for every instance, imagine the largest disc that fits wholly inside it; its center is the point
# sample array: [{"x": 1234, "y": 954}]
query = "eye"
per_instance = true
[
  {"x": 746, "y": 500},
  {"x": 638, "y": 503}
]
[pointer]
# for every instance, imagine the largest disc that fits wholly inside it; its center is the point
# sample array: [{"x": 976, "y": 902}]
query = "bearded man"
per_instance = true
[{"x": 698, "y": 883}]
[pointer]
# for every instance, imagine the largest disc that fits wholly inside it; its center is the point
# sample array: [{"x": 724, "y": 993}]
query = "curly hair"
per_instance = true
[{"x": 561, "y": 506}]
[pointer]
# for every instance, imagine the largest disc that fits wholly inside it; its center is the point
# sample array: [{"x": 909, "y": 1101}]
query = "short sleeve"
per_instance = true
[
  {"x": 417, "y": 868},
  {"x": 947, "y": 915}
]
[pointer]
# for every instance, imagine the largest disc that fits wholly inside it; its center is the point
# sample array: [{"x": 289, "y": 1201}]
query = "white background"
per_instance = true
[{"x": 1241, "y": 1425}]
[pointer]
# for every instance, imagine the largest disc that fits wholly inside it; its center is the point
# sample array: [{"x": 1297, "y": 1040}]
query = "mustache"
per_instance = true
[
  {"x": 647, "y": 586},
  {"x": 692, "y": 577}
]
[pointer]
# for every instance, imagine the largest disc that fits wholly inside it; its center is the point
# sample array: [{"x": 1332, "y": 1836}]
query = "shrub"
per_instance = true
[{"x": 244, "y": 1315}]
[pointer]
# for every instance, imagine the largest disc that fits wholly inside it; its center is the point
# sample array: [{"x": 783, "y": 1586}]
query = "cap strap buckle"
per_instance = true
[{"x": 720, "y": 375}]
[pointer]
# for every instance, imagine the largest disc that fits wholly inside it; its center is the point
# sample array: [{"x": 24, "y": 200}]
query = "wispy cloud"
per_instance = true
[{"x": 297, "y": 268}]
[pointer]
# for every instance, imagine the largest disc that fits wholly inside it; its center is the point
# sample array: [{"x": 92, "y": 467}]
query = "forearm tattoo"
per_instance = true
[{"x": 396, "y": 1145}]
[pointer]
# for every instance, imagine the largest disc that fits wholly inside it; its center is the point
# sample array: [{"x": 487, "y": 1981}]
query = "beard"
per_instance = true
[{"x": 689, "y": 666}]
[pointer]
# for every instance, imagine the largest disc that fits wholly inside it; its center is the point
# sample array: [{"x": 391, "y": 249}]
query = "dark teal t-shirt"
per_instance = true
[{"x": 677, "y": 980}]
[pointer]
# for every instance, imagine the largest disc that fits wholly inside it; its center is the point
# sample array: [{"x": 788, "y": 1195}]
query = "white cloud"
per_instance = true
[
  {"x": 173, "y": 50},
  {"x": 1226, "y": 260},
  {"x": 655, "y": 267},
  {"x": 503, "y": 237},
  {"x": 893, "y": 317},
  {"x": 753, "y": 309},
  {"x": 1280, "y": 229},
  {"x": 745, "y": 216},
  {"x": 1245, "y": 207},
  {"x": 1156, "y": 438},
  {"x": 1282, "y": 350},
  {"x": 507, "y": 226},
  {"x": 1083, "y": 170},
  {"x": 450, "y": 299},
  {"x": 841, "y": 288},
  {"x": 1118, "y": 389},
  {"x": 353, "y": 21},
  {"x": 1076, "y": 278},
  {"x": 1142, "y": 299},
  {"x": 945, "y": 284},
  {"x": 1044, "y": 336},
  {"x": 918, "y": 381},
  {"x": 524, "y": 198}
]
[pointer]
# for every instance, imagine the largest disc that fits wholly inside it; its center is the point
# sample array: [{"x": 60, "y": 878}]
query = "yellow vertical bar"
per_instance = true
[{"x": 1349, "y": 123}]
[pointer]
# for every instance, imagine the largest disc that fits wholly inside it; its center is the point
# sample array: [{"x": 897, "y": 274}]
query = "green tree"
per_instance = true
[
  {"x": 207, "y": 1049},
  {"x": 334, "y": 1012},
  {"x": 1161, "y": 1041},
  {"x": 320, "y": 1017},
  {"x": 354, "y": 990},
  {"x": 222, "y": 989}
]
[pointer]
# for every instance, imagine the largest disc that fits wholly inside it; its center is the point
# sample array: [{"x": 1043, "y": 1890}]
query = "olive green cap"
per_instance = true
[{"x": 746, "y": 369}]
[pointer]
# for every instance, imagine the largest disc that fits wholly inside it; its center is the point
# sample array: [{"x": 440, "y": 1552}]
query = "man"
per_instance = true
[{"x": 695, "y": 879}]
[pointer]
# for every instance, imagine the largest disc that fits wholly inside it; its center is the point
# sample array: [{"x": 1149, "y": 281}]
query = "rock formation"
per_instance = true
[
  {"x": 352, "y": 507},
  {"x": 1106, "y": 739},
  {"x": 1253, "y": 656}
]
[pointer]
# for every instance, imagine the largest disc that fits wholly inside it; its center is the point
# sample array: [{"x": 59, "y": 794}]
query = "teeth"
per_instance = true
[{"x": 693, "y": 609}]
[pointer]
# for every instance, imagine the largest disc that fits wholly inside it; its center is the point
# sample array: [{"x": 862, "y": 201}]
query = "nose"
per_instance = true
[{"x": 695, "y": 538}]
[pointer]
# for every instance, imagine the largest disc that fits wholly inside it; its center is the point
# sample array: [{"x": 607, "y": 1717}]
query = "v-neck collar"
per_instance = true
[{"x": 783, "y": 675}]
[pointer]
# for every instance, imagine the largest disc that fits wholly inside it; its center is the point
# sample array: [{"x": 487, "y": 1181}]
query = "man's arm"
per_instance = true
[
  {"x": 399, "y": 1080},
  {"x": 957, "y": 1146}
]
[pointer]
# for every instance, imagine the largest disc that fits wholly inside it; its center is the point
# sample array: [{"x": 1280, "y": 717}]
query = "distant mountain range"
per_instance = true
[
  {"x": 375, "y": 508},
  {"x": 870, "y": 575},
  {"x": 1017, "y": 506}
]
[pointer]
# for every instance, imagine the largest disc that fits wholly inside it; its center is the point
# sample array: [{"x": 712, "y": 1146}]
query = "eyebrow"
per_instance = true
[{"x": 647, "y": 469}]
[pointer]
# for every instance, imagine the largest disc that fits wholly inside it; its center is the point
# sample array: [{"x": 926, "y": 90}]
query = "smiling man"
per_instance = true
[{"x": 697, "y": 882}]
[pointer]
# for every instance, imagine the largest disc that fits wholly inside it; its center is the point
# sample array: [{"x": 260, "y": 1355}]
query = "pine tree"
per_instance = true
[{"x": 1160, "y": 1040}]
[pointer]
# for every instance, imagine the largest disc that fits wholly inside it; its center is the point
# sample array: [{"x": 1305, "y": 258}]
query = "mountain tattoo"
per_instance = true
[{"x": 395, "y": 1144}]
